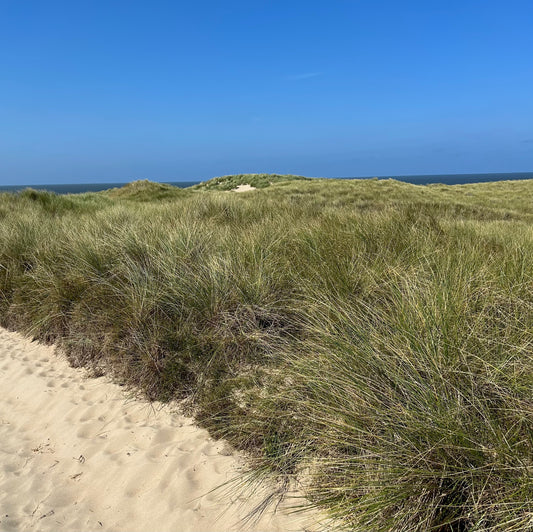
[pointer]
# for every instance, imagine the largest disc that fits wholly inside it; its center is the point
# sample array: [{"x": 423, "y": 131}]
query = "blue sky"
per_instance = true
[{"x": 96, "y": 91}]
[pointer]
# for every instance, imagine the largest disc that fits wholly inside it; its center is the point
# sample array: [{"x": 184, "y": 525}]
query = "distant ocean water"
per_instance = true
[
  {"x": 447, "y": 179},
  {"x": 79, "y": 188}
]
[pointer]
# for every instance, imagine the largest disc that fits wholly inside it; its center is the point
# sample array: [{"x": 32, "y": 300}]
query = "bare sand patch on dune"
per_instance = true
[
  {"x": 77, "y": 455},
  {"x": 243, "y": 188}
]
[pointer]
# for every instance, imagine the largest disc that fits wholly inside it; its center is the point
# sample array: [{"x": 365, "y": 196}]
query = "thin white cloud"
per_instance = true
[{"x": 307, "y": 75}]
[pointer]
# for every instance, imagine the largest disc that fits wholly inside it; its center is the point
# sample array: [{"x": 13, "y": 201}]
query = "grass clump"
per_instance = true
[
  {"x": 144, "y": 190},
  {"x": 373, "y": 338}
]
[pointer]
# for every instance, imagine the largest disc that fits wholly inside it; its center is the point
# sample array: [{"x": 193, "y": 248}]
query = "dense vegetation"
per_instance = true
[{"x": 373, "y": 337}]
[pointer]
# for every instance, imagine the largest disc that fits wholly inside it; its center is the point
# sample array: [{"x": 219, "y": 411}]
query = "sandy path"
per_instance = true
[{"x": 77, "y": 455}]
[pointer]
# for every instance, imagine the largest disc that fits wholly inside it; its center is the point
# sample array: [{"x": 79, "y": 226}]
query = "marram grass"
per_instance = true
[{"x": 373, "y": 338}]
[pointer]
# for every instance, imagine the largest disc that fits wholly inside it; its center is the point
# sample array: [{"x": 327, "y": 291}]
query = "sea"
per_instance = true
[{"x": 447, "y": 179}]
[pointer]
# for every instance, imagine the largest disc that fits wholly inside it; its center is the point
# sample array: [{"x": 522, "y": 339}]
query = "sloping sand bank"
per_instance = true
[{"x": 77, "y": 455}]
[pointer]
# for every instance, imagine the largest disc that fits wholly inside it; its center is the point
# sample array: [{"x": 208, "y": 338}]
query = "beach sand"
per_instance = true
[{"x": 76, "y": 454}]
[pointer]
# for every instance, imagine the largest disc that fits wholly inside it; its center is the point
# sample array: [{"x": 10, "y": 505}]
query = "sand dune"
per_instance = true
[{"x": 77, "y": 455}]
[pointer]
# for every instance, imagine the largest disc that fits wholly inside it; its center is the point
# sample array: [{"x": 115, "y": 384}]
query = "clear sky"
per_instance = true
[{"x": 182, "y": 90}]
